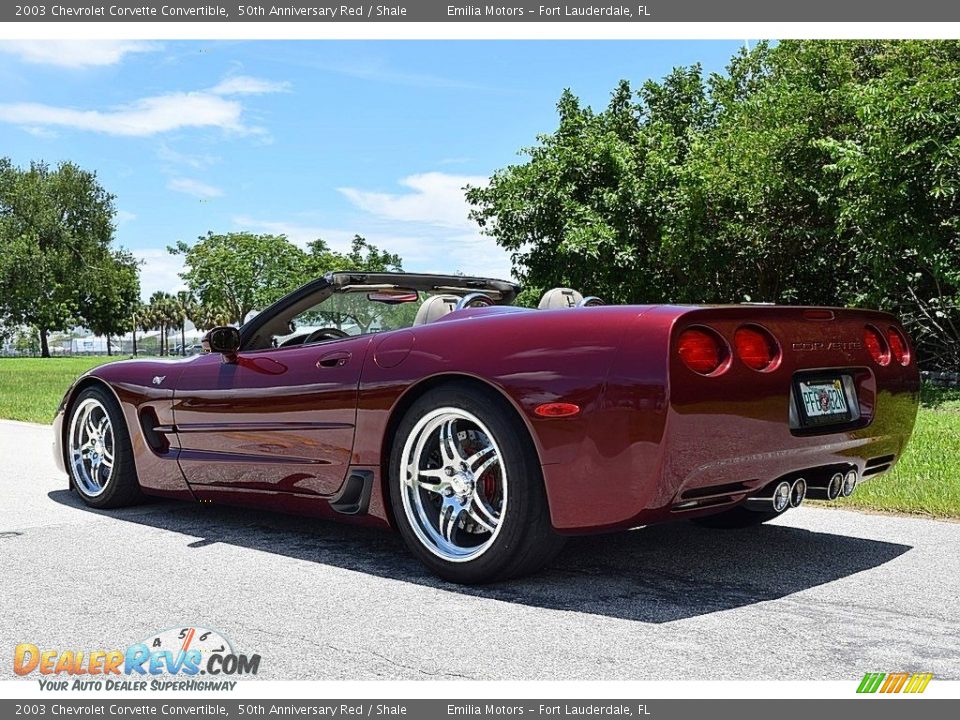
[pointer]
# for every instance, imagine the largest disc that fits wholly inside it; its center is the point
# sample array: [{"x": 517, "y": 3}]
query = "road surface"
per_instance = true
[{"x": 818, "y": 594}]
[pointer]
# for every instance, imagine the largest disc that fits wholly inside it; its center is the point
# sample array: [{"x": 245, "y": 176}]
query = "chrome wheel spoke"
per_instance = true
[
  {"x": 478, "y": 473},
  {"x": 477, "y": 457},
  {"x": 448, "y": 444},
  {"x": 435, "y": 483},
  {"x": 449, "y": 520},
  {"x": 481, "y": 514}
]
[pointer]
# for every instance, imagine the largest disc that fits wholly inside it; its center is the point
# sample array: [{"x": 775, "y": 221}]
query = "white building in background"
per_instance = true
[{"x": 92, "y": 345}]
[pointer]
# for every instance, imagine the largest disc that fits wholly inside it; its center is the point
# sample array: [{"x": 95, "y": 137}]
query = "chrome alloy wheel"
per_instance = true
[
  {"x": 454, "y": 484},
  {"x": 91, "y": 447}
]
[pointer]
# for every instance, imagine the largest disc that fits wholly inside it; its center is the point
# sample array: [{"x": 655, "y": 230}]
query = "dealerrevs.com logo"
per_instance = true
[{"x": 184, "y": 658}]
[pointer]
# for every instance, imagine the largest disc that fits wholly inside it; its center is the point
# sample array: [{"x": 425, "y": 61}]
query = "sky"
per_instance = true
[{"x": 307, "y": 138}]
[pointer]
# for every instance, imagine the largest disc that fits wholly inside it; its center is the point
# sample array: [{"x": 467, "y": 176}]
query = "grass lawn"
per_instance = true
[
  {"x": 31, "y": 388},
  {"x": 926, "y": 480}
]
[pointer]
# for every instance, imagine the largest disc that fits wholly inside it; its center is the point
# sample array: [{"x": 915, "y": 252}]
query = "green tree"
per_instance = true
[
  {"x": 364, "y": 257},
  {"x": 112, "y": 296},
  {"x": 55, "y": 234},
  {"x": 897, "y": 174},
  {"x": 811, "y": 172},
  {"x": 162, "y": 313},
  {"x": 241, "y": 271}
]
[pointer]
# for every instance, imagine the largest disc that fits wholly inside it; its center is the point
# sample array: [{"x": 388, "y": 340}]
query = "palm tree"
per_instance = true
[
  {"x": 147, "y": 318},
  {"x": 184, "y": 303},
  {"x": 205, "y": 317},
  {"x": 135, "y": 314},
  {"x": 164, "y": 313}
]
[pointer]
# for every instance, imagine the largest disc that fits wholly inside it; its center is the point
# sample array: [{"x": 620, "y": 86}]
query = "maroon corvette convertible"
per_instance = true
[{"x": 483, "y": 432}]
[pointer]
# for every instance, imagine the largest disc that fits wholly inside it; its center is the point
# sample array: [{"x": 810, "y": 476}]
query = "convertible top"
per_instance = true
[{"x": 502, "y": 291}]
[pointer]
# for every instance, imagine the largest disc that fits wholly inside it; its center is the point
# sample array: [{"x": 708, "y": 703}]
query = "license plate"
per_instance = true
[{"x": 823, "y": 400}]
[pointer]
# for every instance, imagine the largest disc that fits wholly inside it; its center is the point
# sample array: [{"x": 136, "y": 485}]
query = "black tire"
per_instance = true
[
  {"x": 122, "y": 488},
  {"x": 526, "y": 541},
  {"x": 736, "y": 518}
]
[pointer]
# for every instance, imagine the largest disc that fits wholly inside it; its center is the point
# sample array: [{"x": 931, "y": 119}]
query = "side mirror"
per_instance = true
[{"x": 225, "y": 340}]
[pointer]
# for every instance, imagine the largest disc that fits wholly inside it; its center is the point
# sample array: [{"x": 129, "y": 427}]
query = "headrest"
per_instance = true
[
  {"x": 435, "y": 306},
  {"x": 559, "y": 298}
]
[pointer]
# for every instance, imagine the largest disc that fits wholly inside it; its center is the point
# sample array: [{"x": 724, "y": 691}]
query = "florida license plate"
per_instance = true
[{"x": 823, "y": 400}]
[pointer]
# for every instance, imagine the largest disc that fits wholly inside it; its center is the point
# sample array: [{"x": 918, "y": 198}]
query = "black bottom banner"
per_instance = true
[{"x": 873, "y": 708}]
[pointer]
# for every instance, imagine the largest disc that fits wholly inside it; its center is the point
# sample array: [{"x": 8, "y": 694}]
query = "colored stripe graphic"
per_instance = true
[
  {"x": 894, "y": 682},
  {"x": 870, "y": 682}
]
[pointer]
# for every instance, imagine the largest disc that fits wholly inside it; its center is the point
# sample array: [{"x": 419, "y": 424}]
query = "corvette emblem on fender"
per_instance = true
[{"x": 157, "y": 379}]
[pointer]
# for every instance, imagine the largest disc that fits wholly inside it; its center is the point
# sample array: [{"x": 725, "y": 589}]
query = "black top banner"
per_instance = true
[{"x": 462, "y": 11}]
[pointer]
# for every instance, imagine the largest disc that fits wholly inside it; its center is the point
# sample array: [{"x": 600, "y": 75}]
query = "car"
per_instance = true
[
  {"x": 194, "y": 349},
  {"x": 487, "y": 433}
]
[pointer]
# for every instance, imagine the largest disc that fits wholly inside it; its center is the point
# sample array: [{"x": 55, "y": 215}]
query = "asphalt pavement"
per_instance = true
[{"x": 817, "y": 594}]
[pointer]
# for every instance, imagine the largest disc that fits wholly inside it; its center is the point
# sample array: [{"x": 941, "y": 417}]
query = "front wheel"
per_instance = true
[
  {"x": 99, "y": 457},
  {"x": 467, "y": 489}
]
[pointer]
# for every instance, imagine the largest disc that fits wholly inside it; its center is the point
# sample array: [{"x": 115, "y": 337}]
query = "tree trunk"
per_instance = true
[
  {"x": 109, "y": 351},
  {"x": 134, "y": 340},
  {"x": 44, "y": 348},
  {"x": 183, "y": 338},
  {"x": 163, "y": 335}
]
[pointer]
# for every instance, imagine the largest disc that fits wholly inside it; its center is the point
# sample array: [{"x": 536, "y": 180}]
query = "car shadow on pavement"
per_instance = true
[{"x": 656, "y": 574}]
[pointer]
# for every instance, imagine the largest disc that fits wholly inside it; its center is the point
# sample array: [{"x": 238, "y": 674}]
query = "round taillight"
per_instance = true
[
  {"x": 898, "y": 346},
  {"x": 702, "y": 350},
  {"x": 757, "y": 348},
  {"x": 876, "y": 345}
]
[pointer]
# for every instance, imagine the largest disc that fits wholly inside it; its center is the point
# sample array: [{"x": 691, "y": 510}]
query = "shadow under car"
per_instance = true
[{"x": 655, "y": 574}]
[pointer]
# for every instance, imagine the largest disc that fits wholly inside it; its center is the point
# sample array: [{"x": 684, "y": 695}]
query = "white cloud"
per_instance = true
[
  {"x": 150, "y": 115},
  {"x": 298, "y": 233},
  {"x": 177, "y": 160},
  {"x": 124, "y": 216},
  {"x": 40, "y": 132},
  {"x": 424, "y": 248},
  {"x": 246, "y": 85},
  {"x": 159, "y": 271},
  {"x": 74, "y": 53},
  {"x": 436, "y": 199},
  {"x": 195, "y": 188}
]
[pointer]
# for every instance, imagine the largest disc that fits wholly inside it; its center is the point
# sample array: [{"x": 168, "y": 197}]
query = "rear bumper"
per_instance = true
[
  {"x": 664, "y": 436},
  {"x": 715, "y": 461}
]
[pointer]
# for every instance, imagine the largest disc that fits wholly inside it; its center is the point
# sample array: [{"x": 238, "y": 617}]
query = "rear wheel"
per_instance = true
[
  {"x": 738, "y": 517},
  {"x": 99, "y": 457},
  {"x": 467, "y": 490}
]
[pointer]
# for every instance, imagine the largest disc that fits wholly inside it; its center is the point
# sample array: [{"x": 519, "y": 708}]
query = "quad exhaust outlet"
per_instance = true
[
  {"x": 783, "y": 494},
  {"x": 780, "y": 496}
]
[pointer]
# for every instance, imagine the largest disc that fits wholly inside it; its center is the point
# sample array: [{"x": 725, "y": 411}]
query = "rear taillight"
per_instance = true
[
  {"x": 898, "y": 346},
  {"x": 756, "y": 347},
  {"x": 702, "y": 350},
  {"x": 876, "y": 345}
]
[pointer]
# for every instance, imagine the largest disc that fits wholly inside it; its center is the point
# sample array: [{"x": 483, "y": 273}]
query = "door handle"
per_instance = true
[{"x": 334, "y": 359}]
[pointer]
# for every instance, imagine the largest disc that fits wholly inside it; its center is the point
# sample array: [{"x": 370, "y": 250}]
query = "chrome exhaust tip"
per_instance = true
[
  {"x": 835, "y": 486},
  {"x": 781, "y": 496},
  {"x": 798, "y": 491},
  {"x": 849, "y": 483}
]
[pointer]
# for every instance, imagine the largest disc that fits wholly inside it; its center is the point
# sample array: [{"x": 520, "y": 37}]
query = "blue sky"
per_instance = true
[{"x": 306, "y": 138}]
